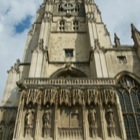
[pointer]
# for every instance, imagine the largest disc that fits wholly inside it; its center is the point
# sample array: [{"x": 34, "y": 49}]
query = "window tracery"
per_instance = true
[
  {"x": 129, "y": 99},
  {"x": 62, "y": 25},
  {"x": 75, "y": 25}
]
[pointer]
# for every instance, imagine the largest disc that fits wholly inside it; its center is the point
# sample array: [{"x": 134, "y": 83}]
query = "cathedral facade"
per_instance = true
[{"x": 73, "y": 83}]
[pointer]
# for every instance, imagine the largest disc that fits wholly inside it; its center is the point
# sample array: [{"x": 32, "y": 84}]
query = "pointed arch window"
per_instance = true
[{"x": 129, "y": 99}]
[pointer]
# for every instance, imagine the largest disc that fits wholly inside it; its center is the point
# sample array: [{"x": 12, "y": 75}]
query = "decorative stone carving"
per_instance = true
[
  {"x": 110, "y": 121},
  {"x": 47, "y": 16},
  {"x": 90, "y": 17},
  {"x": 65, "y": 96},
  {"x": 47, "y": 119},
  {"x": 15, "y": 67},
  {"x": 68, "y": 66},
  {"x": 92, "y": 122},
  {"x": 47, "y": 123},
  {"x": 97, "y": 44},
  {"x": 88, "y": 1},
  {"x": 69, "y": 96},
  {"x": 41, "y": 44},
  {"x": 29, "y": 123}
]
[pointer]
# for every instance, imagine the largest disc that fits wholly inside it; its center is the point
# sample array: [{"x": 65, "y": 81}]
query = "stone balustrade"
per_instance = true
[
  {"x": 74, "y": 133},
  {"x": 69, "y": 81}
]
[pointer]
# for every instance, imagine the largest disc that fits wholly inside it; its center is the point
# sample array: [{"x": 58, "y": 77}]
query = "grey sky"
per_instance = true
[{"x": 117, "y": 15}]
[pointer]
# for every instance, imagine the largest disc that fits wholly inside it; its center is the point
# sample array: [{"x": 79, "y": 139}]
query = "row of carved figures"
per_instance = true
[
  {"x": 30, "y": 119},
  {"x": 47, "y": 123}
]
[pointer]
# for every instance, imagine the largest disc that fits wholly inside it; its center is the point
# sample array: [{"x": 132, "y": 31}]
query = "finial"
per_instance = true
[
  {"x": 135, "y": 35},
  {"x": 117, "y": 41}
]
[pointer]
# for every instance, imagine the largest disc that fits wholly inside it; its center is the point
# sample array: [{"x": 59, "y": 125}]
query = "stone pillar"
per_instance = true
[
  {"x": 26, "y": 51},
  {"x": 121, "y": 121},
  {"x": 91, "y": 35},
  {"x": 55, "y": 123},
  {"x": 19, "y": 127},
  {"x": 10, "y": 93},
  {"x": 39, "y": 63},
  {"x": 84, "y": 123},
  {"x": 103, "y": 64},
  {"x": 103, "y": 128},
  {"x": 33, "y": 64},
  {"x": 98, "y": 64},
  {"x": 38, "y": 129}
]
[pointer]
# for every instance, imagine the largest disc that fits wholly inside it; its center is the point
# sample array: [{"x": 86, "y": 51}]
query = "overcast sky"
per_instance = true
[{"x": 16, "y": 17}]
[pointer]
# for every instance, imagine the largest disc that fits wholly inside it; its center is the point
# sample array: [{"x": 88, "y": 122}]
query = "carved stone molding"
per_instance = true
[
  {"x": 15, "y": 67},
  {"x": 91, "y": 17},
  {"x": 69, "y": 96},
  {"x": 47, "y": 17}
]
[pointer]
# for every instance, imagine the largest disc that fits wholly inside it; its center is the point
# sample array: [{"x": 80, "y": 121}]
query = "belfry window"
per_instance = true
[
  {"x": 62, "y": 25},
  {"x": 60, "y": 9},
  {"x": 75, "y": 25},
  {"x": 129, "y": 94},
  {"x": 77, "y": 7}
]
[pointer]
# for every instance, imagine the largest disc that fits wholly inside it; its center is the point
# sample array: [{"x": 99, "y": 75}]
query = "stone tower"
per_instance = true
[{"x": 72, "y": 83}]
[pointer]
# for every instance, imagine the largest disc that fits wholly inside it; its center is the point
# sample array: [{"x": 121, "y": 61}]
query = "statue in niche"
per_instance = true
[
  {"x": 92, "y": 122},
  {"x": 110, "y": 121},
  {"x": 47, "y": 119},
  {"x": 47, "y": 123},
  {"x": 29, "y": 122}
]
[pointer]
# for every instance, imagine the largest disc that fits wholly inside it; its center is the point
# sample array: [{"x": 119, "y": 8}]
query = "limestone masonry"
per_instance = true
[{"x": 72, "y": 83}]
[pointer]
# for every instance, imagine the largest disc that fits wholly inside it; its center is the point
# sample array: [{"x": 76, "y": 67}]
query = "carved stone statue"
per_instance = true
[
  {"x": 47, "y": 119},
  {"x": 29, "y": 122},
  {"x": 47, "y": 123},
  {"x": 92, "y": 122},
  {"x": 110, "y": 121},
  {"x": 41, "y": 44}
]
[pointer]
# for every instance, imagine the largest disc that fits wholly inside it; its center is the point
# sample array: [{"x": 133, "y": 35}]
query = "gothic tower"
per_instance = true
[{"x": 72, "y": 83}]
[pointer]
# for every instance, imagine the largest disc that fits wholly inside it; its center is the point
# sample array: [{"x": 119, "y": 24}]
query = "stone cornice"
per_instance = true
[{"x": 51, "y": 82}]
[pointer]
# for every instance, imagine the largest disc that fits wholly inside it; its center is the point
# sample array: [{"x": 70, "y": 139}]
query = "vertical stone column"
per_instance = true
[
  {"x": 19, "y": 119},
  {"x": 39, "y": 63},
  {"x": 26, "y": 51},
  {"x": 103, "y": 128},
  {"x": 38, "y": 128},
  {"x": 55, "y": 123},
  {"x": 33, "y": 64},
  {"x": 84, "y": 123},
  {"x": 103, "y": 64},
  {"x": 11, "y": 87},
  {"x": 90, "y": 29},
  {"x": 121, "y": 121},
  {"x": 98, "y": 64}
]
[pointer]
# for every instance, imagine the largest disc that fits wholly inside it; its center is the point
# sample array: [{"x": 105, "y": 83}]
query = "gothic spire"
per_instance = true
[{"x": 135, "y": 35}]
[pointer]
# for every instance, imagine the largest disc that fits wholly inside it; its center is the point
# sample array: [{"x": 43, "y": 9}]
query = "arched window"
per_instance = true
[
  {"x": 60, "y": 9},
  {"x": 62, "y": 25},
  {"x": 77, "y": 7},
  {"x": 129, "y": 98},
  {"x": 75, "y": 25}
]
